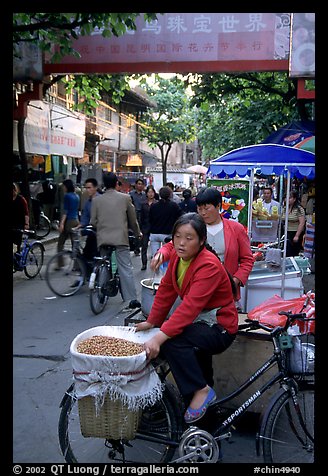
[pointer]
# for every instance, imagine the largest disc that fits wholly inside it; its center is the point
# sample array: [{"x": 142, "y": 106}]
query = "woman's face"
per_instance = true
[
  {"x": 186, "y": 242},
  {"x": 292, "y": 200},
  {"x": 209, "y": 213},
  {"x": 151, "y": 193}
]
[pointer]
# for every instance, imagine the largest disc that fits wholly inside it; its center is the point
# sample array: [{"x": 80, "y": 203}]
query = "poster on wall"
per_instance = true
[{"x": 235, "y": 198}]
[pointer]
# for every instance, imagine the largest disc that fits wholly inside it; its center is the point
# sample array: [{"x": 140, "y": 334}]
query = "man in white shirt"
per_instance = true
[{"x": 268, "y": 201}]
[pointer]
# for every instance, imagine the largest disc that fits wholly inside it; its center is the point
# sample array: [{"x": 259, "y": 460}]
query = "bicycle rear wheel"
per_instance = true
[
  {"x": 43, "y": 228},
  {"x": 159, "y": 421},
  {"x": 34, "y": 260},
  {"x": 65, "y": 273},
  {"x": 284, "y": 439},
  {"x": 99, "y": 294}
]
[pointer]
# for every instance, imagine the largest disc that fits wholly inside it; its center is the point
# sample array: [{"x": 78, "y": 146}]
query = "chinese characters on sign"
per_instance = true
[{"x": 191, "y": 37}]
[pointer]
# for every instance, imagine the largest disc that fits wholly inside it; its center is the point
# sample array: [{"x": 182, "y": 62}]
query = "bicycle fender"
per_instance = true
[
  {"x": 66, "y": 395},
  {"x": 264, "y": 417},
  {"x": 39, "y": 243}
]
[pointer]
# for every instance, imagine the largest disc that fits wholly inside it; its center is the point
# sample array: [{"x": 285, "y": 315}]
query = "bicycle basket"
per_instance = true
[
  {"x": 114, "y": 420},
  {"x": 301, "y": 356}
]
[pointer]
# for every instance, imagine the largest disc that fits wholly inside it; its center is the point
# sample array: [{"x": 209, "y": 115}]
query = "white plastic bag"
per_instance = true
[{"x": 131, "y": 379}]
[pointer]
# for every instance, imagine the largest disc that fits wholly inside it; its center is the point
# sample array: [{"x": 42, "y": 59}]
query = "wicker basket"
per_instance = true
[{"x": 114, "y": 420}]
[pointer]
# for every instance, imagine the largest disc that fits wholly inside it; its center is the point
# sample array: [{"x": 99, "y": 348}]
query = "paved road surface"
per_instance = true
[{"x": 43, "y": 328}]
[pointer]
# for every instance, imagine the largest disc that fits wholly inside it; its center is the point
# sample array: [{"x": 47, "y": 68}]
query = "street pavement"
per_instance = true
[{"x": 43, "y": 328}]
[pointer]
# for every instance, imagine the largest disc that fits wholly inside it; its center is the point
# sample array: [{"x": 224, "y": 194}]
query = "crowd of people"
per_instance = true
[{"x": 209, "y": 259}]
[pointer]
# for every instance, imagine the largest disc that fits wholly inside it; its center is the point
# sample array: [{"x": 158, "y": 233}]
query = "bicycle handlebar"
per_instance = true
[
  {"x": 25, "y": 232},
  {"x": 291, "y": 317}
]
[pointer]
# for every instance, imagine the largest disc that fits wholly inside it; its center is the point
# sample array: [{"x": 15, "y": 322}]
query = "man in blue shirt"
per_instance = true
[
  {"x": 138, "y": 197},
  {"x": 70, "y": 215}
]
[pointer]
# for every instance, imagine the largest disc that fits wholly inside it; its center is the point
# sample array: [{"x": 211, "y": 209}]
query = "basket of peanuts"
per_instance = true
[{"x": 113, "y": 381}]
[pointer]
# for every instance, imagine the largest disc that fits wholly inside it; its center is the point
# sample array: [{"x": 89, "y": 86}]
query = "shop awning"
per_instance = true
[{"x": 267, "y": 159}]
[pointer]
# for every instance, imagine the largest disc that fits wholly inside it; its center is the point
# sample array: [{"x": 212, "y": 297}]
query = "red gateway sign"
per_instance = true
[{"x": 187, "y": 42}]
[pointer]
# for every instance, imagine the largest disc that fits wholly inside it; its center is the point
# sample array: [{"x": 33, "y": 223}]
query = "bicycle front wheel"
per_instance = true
[
  {"x": 98, "y": 293},
  {"x": 43, "y": 228},
  {"x": 65, "y": 273},
  {"x": 155, "y": 442},
  {"x": 34, "y": 260},
  {"x": 285, "y": 440}
]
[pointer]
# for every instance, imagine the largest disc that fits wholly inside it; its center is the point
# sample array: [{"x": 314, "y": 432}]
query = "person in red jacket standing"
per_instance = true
[
  {"x": 206, "y": 320},
  {"x": 227, "y": 237}
]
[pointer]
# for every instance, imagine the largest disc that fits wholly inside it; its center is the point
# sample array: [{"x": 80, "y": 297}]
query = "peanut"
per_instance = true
[{"x": 105, "y": 345}]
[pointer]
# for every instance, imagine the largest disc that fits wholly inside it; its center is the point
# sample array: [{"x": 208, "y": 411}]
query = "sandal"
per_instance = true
[{"x": 194, "y": 414}]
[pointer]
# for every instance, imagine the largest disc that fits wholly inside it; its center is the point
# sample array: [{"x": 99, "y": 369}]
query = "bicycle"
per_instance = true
[
  {"x": 286, "y": 433},
  {"x": 67, "y": 270},
  {"x": 30, "y": 258},
  {"x": 42, "y": 223},
  {"x": 104, "y": 280}
]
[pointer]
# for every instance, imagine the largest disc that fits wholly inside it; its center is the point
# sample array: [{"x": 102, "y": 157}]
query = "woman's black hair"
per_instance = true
[
  {"x": 165, "y": 193},
  {"x": 198, "y": 224},
  {"x": 209, "y": 195},
  {"x": 196, "y": 221},
  {"x": 69, "y": 184}
]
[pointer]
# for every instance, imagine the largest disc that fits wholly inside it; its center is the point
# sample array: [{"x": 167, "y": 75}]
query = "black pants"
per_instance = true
[
  {"x": 90, "y": 249},
  {"x": 144, "y": 247},
  {"x": 293, "y": 249},
  {"x": 190, "y": 355}
]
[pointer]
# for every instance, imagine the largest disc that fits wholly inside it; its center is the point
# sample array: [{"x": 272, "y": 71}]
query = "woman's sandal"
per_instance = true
[{"x": 194, "y": 414}]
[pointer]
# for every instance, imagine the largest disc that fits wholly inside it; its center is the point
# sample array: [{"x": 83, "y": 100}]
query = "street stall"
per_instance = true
[
  {"x": 267, "y": 159},
  {"x": 265, "y": 279}
]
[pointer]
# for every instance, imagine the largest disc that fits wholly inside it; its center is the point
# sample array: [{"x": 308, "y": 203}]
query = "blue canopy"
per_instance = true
[
  {"x": 267, "y": 159},
  {"x": 291, "y": 134}
]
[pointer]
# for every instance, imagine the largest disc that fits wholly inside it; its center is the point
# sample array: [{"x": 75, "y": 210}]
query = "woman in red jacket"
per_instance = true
[
  {"x": 206, "y": 321},
  {"x": 228, "y": 238}
]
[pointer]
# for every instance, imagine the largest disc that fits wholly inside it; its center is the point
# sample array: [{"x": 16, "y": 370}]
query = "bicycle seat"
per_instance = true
[{"x": 29, "y": 233}]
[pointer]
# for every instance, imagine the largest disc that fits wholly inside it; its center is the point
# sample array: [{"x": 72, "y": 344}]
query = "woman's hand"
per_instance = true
[
  {"x": 156, "y": 261},
  {"x": 153, "y": 345},
  {"x": 143, "y": 326}
]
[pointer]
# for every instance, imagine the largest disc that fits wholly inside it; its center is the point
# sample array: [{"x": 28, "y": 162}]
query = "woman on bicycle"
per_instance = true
[{"x": 206, "y": 321}]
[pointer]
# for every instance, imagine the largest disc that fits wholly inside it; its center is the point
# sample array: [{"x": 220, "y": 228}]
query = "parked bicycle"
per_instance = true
[
  {"x": 30, "y": 258},
  {"x": 68, "y": 270},
  {"x": 286, "y": 433},
  {"x": 104, "y": 280}
]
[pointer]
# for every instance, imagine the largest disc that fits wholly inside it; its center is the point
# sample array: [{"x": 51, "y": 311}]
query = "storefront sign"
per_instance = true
[
  {"x": 186, "y": 42},
  {"x": 134, "y": 160}
]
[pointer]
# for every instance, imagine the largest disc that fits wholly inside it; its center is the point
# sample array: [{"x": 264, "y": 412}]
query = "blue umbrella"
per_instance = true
[{"x": 266, "y": 159}]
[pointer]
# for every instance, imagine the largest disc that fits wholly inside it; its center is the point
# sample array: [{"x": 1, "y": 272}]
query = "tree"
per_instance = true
[
  {"x": 60, "y": 29},
  {"x": 172, "y": 120},
  {"x": 48, "y": 29},
  {"x": 235, "y": 110}
]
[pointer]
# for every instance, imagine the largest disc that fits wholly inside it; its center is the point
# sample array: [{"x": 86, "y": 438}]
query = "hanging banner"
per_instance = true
[
  {"x": 37, "y": 128},
  {"x": 235, "y": 198},
  {"x": 67, "y": 131},
  {"x": 53, "y": 129},
  {"x": 186, "y": 42}
]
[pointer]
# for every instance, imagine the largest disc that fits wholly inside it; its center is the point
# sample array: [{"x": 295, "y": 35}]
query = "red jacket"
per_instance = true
[
  {"x": 238, "y": 257},
  {"x": 206, "y": 285}
]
